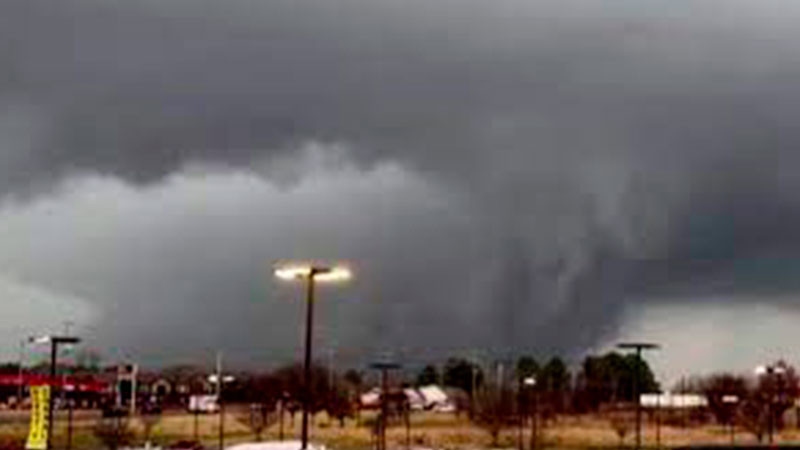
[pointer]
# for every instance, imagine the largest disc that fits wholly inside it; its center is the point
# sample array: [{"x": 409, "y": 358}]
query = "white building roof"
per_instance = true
[{"x": 433, "y": 394}]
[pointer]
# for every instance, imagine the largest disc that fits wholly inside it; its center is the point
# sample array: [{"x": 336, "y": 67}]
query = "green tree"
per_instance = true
[
  {"x": 772, "y": 395},
  {"x": 554, "y": 383},
  {"x": 719, "y": 386},
  {"x": 527, "y": 367},
  {"x": 354, "y": 378},
  {"x": 611, "y": 378},
  {"x": 554, "y": 376},
  {"x": 462, "y": 374},
  {"x": 428, "y": 375}
]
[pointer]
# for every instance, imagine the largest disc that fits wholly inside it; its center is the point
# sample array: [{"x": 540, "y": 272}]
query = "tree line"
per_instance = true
[{"x": 600, "y": 379}]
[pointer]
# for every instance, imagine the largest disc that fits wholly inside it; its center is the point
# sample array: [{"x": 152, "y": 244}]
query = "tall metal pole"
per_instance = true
[
  {"x": 637, "y": 399},
  {"x": 53, "y": 352},
  {"x": 384, "y": 367},
  {"x": 220, "y": 403},
  {"x": 771, "y": 391},
  {"x": 280, "y": 418},
  {"x": 638, "y": 346},
  {"x": 658, "y": 420},
  {"x": 134, "y": 374},
  {"x": 473, "y": 365},
  {"x": 196, "y": 421},
  {"x": 51, "y": 382},
  {"x": 307, "y": 361},
  {"x": 310, "y": 273},
  {"x": 408, "y": 425},
  {"x": 19, "y": 373},
  {"x": 521, "y": 417},
  {"x": 69, "y": 423},
  {"x": 384, "y": 409},
  {"x": 535, "y": 421}
]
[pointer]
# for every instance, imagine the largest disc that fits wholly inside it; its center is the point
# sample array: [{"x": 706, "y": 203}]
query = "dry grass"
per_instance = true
[{"x": 440, "y": 431}]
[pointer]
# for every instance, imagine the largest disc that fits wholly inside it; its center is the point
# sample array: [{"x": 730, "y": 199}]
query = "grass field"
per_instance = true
[{"x": 441, "y": 431}]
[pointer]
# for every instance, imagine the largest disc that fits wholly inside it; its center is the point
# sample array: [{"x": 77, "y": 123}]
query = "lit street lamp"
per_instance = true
[
  {"x": 638, "y": 346},
  {"x": 54, "y": 342},
  {"x": 311, "y": 274}
]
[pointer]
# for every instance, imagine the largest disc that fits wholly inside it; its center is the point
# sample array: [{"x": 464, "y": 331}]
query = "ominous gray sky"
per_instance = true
[{"x": 506, "y": 176}]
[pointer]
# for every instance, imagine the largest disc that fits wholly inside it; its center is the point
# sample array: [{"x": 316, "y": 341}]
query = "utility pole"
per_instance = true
[{"x": 638, "y": 347}]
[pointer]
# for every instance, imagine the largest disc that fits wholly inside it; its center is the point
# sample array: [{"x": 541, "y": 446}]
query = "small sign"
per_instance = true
[{"x": 40, "y": 402}]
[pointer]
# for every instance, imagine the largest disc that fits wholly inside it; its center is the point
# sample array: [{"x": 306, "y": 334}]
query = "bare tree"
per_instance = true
[
  {"x": 494, "y": 410},
  {"x": 113, "y": 432},
  {"x": 258, "y": 417},
  {"x": 622, "y": 421},
  {"x": 769, "y": 399},
  {"x": 753, "y": 417},
  {"x": 717, "y": 388}
]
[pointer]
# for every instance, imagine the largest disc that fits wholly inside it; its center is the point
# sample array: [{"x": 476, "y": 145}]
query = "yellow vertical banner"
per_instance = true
[{"x": 37, "y": 436}]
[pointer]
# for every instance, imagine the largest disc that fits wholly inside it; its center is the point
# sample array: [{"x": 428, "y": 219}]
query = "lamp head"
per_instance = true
[{"x": 318, "y": 273}]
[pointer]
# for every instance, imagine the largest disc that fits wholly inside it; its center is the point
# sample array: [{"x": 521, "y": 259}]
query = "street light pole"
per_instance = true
[
  {"x": 384, "y": 368},
  {"x": 530, "y": 382},
  {"x": 658, "y": 420},
  {"x": 770, "y": 371},
  {"x": 54, "y": 342},
  {"x": 311, "y": 274},
  {"x": 307, "y": 361},
  {"x": 53, "y": 360},
  {"x": 20, "y": 388},
  {"x": 638, "y": 346},
  {"x": 219, "y": 402},
  {"x": 219, "y": 379}
]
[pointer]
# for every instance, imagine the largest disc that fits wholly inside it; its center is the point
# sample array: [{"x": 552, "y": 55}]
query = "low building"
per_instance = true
[
  {"x": 436, "y": 399},
  {"x": 673, "y": 401},
  {"x": 430, "y": 398}
]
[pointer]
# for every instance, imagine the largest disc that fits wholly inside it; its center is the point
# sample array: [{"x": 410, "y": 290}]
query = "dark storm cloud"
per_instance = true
[{"x": 590, "y": 154}]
